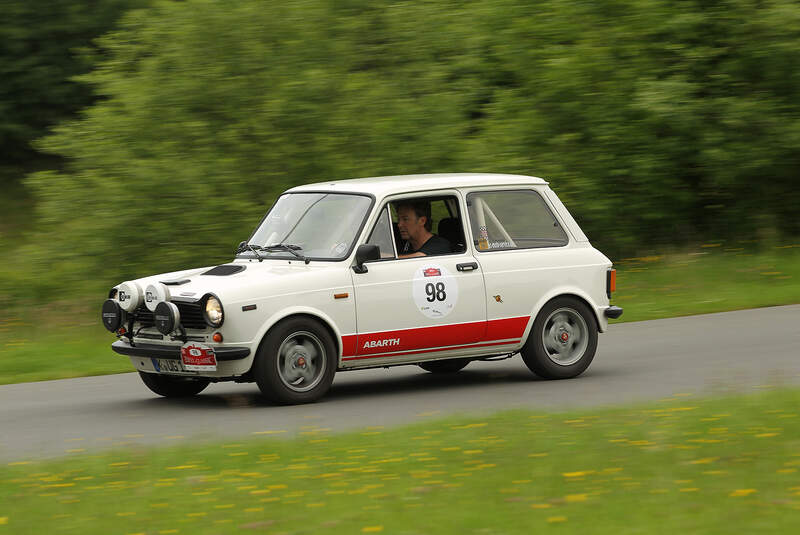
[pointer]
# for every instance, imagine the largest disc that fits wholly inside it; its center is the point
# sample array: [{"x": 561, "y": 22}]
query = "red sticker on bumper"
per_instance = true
[{"x": 198, "y": 357}]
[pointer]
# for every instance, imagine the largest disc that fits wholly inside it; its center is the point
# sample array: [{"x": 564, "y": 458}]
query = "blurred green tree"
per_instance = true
[
  {"x": 42, "y": 47},
  {"x": 660, "y": 122}
]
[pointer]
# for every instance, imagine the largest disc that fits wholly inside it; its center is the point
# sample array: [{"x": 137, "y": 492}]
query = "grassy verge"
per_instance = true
[
  {"x": 31, "y": 354},
  {"x": 64, "y": 343},
  {"x": 715, "y": 279},
  {"x": 676, "y": 466}
]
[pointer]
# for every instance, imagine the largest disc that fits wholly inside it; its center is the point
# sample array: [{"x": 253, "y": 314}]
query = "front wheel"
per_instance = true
[
  {"x": 563, "y": 340},
  {"x": 173, "y": 387},
  {"x": 296, "y": 362}
]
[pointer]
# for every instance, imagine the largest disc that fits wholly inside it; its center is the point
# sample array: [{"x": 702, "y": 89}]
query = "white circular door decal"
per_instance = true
[{"x": 435, "y": 291}]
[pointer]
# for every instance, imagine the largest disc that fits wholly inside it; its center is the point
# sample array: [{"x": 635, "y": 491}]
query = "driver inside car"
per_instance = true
[{"x": 414, "y": 225}]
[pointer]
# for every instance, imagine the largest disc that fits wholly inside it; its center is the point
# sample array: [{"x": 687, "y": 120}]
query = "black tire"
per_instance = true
[
  {"x": 444, "y": 366},
  {"x": 550, "y": 356},
  {"x": 286, "y": 368},
  {"x": 173, "y": 387}
]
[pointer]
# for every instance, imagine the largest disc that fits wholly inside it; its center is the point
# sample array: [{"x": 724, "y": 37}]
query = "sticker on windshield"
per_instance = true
[{"x": 435, "y": 291}]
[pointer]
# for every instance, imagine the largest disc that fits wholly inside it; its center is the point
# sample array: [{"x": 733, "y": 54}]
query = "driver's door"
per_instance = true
[{"x": 409, "y": 309}]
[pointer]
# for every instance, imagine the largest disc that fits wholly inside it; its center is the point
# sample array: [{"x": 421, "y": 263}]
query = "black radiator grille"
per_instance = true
[
  {"x": 143, "y": 316},
  {"x": 191, "y": 316}
]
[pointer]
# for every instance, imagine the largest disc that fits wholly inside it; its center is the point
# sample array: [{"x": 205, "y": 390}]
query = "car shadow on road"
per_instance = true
[
  {"x": 425, "y": 381},
  {"x": 350, "y": 386}
]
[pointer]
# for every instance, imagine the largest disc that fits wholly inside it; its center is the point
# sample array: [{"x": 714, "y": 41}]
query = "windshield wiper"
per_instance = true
[
  {"x": 244, "y": 246},
  {"x": 287, "y": 247}
]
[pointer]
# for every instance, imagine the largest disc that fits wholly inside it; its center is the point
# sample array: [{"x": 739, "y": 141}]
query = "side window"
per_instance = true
[
  {"x": 434, "y": 223},
  {"x": 502, "y": 220},
  {"x": 382, "y": 235}
]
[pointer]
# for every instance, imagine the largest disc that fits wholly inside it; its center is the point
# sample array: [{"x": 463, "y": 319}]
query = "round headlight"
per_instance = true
[
  {"x": 129, "y": 296},
  {"x": 154, "y": 294},
  {"x": 213, "y": 312},
  {"x": 167, "y": 317},
  {"x": 113, "y": 315}
]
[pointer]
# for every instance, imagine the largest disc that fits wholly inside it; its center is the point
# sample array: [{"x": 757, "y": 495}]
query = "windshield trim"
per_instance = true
[{"x": 288, "y": 256}]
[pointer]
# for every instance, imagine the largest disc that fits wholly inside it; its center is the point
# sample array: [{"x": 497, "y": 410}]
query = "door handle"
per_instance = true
[{"x": 469, "y": 266}]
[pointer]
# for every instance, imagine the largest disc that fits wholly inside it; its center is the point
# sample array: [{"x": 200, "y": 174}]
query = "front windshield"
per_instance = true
[{"x": 318, "y": 225}]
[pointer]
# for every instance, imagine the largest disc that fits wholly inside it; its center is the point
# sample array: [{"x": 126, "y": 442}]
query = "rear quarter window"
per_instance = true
[{"x": 512, "y": 219}]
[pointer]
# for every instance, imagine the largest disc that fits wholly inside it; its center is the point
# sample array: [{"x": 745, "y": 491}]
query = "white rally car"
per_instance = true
[{"x": 433, "y": 270}]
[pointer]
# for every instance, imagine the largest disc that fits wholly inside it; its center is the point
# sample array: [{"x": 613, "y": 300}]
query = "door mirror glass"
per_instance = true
[{"x": 365, "y": 253}]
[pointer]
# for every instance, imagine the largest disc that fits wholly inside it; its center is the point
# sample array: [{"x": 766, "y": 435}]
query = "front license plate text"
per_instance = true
[{"x": 168, "y": 366}]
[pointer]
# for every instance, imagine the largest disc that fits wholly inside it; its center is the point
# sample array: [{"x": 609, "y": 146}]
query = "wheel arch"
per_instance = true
[
  {"x": 300, "y": 312},
  {"x": 572, "y": 293}
]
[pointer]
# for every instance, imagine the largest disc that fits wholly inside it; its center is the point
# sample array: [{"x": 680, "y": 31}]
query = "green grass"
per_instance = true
[
  {"x": 61, "y": 342},
  {"x": 714, "y": 279},
  {"x": 680, "y": 465},
  {"x": 28, "y": 353}
]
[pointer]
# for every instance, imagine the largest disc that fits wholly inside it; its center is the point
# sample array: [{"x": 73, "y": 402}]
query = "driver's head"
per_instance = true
[{"x": 413, "y": 219}]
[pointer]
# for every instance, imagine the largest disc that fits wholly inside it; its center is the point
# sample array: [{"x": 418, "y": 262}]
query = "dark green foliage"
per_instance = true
[
  {"x": 658, "y": 122},
  {"x": 43, "y": 45}
]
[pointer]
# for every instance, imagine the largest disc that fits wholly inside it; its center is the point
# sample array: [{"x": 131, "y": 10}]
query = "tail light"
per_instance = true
[{"x": 611, "y": 282}]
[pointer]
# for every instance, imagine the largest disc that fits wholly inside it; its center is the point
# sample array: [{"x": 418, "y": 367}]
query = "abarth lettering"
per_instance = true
[{"x": 382, "y": 343}]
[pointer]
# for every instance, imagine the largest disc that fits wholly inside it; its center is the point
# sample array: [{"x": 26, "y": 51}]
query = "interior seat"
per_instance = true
[{"x": 450, "y": 229}]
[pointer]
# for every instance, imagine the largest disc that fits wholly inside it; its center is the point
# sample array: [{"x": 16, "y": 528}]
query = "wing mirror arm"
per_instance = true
[{"x": 365, "y": 253}]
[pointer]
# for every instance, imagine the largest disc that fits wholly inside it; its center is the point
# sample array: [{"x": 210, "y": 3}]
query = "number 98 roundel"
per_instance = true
[{"x": 435, "y": 291}]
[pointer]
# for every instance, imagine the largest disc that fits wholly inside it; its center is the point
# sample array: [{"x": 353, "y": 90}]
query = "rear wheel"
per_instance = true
[
  {"x": 444, "y": 366},
  {"x": 296, "y": 362},
  {"x": 563, "y": 340},
  {"x": 173, "y": 387}
]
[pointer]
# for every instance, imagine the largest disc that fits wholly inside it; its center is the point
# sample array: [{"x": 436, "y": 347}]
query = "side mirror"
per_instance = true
[{"x": 365, "y": 253}]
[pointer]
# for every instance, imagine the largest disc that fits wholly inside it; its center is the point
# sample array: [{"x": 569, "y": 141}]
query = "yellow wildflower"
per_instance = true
[{"x": 577, "y": 474}]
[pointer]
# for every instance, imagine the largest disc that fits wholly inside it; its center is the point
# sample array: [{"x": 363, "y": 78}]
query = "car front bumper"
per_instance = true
[
  {"x": 613, "y": 312},
  {"x": 174, "y": 352}
]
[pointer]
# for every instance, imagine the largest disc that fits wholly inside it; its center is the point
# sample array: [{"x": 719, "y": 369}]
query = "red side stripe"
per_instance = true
[
  {"x": 420, "y": 338},
  {"x": 505, "y": 328},
  {"x": 439, "y": 336},
  {"x": 431, "y": 350}
]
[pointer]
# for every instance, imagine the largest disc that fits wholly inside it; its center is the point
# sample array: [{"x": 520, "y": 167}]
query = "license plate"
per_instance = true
[
  {"x": 198, "y": 357},
  {"x": 168, "y": 366}
]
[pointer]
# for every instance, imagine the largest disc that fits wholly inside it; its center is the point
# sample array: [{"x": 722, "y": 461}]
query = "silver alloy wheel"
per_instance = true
[
  {"x": 565, "y": 336},
  {"x": 301, "y": 361}
]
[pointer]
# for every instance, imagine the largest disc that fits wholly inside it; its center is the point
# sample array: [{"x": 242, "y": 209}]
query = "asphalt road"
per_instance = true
[{"x": 692, "y": 356}]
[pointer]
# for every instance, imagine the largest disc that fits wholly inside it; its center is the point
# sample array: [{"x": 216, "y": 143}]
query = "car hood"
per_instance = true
[{"x": 241, "y": 280}]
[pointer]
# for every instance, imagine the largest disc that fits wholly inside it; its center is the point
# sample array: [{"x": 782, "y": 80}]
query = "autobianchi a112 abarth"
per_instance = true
[{"x": 432, "y": 270}]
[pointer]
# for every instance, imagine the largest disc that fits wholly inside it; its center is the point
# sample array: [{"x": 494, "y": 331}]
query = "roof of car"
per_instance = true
[{"x": 387, "y": 185}]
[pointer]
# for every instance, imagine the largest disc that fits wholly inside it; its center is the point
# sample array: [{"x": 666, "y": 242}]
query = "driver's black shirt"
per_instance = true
[{"x": 435, "y": 245}]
